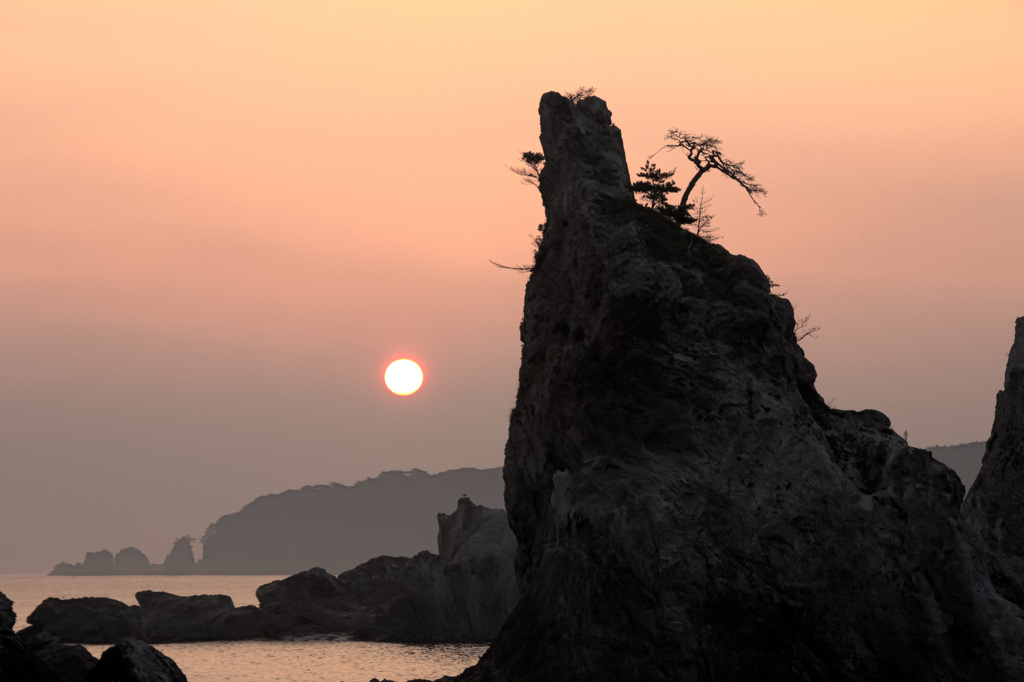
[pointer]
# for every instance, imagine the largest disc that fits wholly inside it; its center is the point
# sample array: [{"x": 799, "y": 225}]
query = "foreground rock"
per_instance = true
[
  {"x": 687, "y": 506},
  {"x": 994, "y": 507},
  {"x": 463, "y": 594},
  {"x": 131, "y": 660},
  {"x": 69, "y": 662},
  {"x": 37, "y": 660},
  {"x": 159, "y": 617},
  {"x": 85, "y": 620}
]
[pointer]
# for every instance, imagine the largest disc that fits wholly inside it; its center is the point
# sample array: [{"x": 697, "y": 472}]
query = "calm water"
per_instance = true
[{"x": 308, "y": 660}]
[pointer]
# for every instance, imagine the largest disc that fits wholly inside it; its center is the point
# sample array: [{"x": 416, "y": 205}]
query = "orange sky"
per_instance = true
[{"x": 220, "y": 220}]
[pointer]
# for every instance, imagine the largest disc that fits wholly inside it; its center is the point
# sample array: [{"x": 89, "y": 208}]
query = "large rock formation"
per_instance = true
[
  {"x": 461, "y": 595},
  {"x": 687, "y": 506},
  {"x": 995, "y": 504}
]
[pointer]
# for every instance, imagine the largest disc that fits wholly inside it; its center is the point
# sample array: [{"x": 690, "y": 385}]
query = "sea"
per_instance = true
[{"x": 315, "y": 659}]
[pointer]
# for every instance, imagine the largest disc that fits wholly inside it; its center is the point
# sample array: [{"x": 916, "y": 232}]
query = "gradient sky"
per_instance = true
[{"x": 219, "y": 220}]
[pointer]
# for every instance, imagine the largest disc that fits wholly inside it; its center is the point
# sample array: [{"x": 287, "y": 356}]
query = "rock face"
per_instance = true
[
  {"x": 462, "y": 595},
  {"x": 85, "y": 620},
  {"x": 7, "y": 615},
  {"x": 131, "y": 660},
  {"x": 69, "y": 662},
  {"x": 159, "y": 617},
  {"x": 687, "y": 507},
  {"x": 37, "y": 659},
  {"x": 995, "y": 504}
]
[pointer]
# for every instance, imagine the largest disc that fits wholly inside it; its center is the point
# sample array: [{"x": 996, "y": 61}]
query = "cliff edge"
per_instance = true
[
  {"x": 686, "y": 505},
  {"x": 994, "y": 507}
]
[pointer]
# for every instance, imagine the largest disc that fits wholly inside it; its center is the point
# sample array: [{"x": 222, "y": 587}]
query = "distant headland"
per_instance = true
[{"x": 335, "y": 526}]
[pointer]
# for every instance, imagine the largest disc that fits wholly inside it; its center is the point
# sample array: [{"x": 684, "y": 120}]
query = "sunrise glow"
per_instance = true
[{"x": 403, "y": 377}]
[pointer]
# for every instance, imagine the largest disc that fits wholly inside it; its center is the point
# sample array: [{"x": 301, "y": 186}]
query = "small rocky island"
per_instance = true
[{"x": 686, "y": 505}]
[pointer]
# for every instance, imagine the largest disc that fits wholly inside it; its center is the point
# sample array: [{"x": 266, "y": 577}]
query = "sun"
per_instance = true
[{"x": 403, "y": 377}]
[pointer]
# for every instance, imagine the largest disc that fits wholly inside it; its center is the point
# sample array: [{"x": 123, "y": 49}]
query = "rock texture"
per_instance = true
[
  {"x": 27, "y": 663},
  {"x": 69, "y": 662},
  {"x": 131, "y": 660},
  {"x": 462, "y": 595},
  {"x": 159, "y": 617},
  {"x": 85, "y": 620},
  {"x": 687, "y": 507},
  {"x": 7, "y": 615},
  {"x": 995, "y": 504}
]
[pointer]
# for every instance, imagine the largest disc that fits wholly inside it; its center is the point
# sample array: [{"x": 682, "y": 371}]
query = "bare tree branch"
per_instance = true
[{"x": 703, "y": 151}]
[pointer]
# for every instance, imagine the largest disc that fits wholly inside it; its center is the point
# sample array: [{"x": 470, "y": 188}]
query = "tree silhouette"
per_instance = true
[
  {"x": 704, "y": 153},
  {"x": 654, "y": 186},
  {"x": 702, "y": 218},
  {"x": 531, "y": 171}
]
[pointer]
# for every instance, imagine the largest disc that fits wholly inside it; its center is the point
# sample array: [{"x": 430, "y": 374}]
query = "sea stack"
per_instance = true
[
  {"x": 994, "y": 507},
  {"x": 686, "y": 505}
]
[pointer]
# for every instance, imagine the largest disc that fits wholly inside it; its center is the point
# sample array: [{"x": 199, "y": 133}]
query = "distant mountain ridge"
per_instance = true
[
  {"x": 337, "y": 526},
  {"x": 964, "y": 459}
]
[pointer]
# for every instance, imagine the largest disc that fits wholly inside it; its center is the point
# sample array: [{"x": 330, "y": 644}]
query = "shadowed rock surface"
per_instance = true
[
  {"x": 131, "y": 660},
  {"x": 159, "y": 617},
  {"x": 20, "y": 663},
  {"x": 687, "y": 506},
  {"x": 85, "y": 620},
  {"x": 7, "y": 615},
  {"x": 69, "y": 662},
  {"x": 462, "y": 595},
  {"x": 995, "y": 504}
]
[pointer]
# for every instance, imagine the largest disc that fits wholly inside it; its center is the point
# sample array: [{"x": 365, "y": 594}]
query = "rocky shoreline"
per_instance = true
[{"x": 461, "y": 594}]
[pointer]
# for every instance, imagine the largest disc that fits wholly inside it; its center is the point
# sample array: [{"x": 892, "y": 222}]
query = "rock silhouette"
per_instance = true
[
  {"x": 341, "y": 526},
  {"x": 995, "y": 504},
  {"x": 686, "y": 505},
  {"x": 180, "y": 560},
  {"x": 131, "y": 660},
  {"x": 131, "y": 561},
  {"x": 37, "y": 657}
]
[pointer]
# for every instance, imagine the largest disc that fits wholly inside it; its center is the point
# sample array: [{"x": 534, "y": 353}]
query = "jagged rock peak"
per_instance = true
[
  {"x": 7, "y": 615},
  {"x": 994, "y": 507},
  {"x": 686, "y": 506}
]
